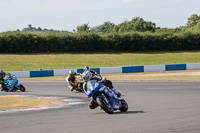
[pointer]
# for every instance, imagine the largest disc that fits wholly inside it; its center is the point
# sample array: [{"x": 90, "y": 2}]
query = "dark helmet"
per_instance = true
[
  {"x": 86, "y": 68},
  {"x": 1, "y": 72}
]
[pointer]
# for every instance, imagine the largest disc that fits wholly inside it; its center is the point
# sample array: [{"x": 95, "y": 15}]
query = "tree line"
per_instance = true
[
  {"x": 134, "y": 35},
  {"x": 137, "y": 24}
]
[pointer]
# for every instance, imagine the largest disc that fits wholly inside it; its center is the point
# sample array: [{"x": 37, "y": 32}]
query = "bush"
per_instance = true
[{"x": 11, "y": 42}]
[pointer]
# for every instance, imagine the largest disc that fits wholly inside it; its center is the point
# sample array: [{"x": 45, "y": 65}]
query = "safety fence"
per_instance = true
[{"x": 109, "y": 70}]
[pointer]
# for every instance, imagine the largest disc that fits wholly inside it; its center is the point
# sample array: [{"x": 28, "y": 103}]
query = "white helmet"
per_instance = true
[
  {"x": 86, "y": 75},
  {"x": 71, "y": 72}
]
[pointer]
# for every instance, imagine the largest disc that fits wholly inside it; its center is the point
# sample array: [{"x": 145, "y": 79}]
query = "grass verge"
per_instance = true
[
  {"x": 16, "y": 103},
  {"x": 55, "y": 61}
]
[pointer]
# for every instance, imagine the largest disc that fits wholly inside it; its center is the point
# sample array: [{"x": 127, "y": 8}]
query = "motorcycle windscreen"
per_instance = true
[
  {"x": 9, "y": 83},
  {"x": 90, "y": 87}
]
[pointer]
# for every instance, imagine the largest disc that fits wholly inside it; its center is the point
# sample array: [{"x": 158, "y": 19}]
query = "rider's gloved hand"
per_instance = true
[{"x": 103, "y": 79}]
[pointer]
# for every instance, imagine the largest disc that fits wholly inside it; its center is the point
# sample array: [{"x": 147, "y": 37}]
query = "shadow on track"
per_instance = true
[
  {"x": 129, "y": 112},
  {"x": 118, "y": 112}
]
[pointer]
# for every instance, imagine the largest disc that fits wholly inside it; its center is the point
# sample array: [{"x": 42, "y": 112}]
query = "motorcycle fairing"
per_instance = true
[
  {"x": 96, "y": 90},
  {"x": 11, "y": 82}
]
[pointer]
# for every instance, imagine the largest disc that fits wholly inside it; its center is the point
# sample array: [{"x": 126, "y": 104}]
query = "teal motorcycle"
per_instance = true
[{"x": 11, "y": 84}]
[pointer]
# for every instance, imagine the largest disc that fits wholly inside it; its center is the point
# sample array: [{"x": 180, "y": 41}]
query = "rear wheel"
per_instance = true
[
  {"x": 124, "y": 107},
  {"x": 22, "y": 88},
  {"x": 104, "y": 105}
]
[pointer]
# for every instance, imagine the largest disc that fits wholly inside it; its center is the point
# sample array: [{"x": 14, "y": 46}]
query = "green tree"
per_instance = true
[
  {"x": 39, "y": 29},
  {"x": 136, "y": 24},
  {"x": 83, "y": 28},
  {"x": 107, "y": 27},
  {"x": 193, "y": 20}
]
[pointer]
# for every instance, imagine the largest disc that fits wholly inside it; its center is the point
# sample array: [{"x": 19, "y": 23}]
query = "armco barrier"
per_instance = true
[{"x": 109, "y": 70}]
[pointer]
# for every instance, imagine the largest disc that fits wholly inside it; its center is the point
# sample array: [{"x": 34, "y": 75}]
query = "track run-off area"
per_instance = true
[{"x": 154, "y": 107}]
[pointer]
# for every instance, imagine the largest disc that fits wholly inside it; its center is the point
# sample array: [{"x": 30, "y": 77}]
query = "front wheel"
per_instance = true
[
  {"x": 4, "y": 89},
  {"x": 22, "y": 88},
  {"x": 124, "y": 107},
  {"x": 104, "y": 105}
]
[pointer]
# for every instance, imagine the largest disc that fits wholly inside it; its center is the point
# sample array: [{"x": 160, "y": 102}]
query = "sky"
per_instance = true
[{"x": 68, "y": 14}]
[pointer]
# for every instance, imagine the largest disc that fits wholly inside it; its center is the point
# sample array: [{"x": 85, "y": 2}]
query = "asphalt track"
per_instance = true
[{"x": 154, "y": 107}]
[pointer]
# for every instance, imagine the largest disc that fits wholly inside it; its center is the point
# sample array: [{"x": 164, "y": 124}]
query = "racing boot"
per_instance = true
[
  {"x": 93, "y": 104},
  {"x": 116, "y": 92},
  {"x": 71, "y": 88}
]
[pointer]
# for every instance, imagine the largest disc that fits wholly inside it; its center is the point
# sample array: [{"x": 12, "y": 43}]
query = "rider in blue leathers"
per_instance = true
[
  {"x": 96, "y": 76},
  {"x": 87, "y": 75}
]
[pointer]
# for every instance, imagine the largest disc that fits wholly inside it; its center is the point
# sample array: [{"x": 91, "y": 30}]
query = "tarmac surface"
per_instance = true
[{"x": 154, "y": 107}]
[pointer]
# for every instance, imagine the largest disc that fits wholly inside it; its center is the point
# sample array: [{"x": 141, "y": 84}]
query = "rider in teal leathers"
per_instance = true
[{"x": 2, "y": 75}]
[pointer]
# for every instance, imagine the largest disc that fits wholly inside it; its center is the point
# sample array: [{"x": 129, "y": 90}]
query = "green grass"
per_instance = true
[{"x": 54, "y": 61}]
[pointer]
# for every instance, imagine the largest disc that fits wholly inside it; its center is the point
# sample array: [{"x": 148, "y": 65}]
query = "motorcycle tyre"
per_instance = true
[
  {"x": 4, "y": 89},
  {"x": 104, "y": 105},
  {"x": 124, "y": 107},
  {"x": 22, "y": 88}
]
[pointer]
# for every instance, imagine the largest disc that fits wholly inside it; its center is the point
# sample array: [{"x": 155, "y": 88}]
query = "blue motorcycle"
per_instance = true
[
  {"x": 11, "y": 84},
  {"x": 105, "y": 97}
]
